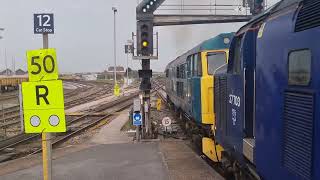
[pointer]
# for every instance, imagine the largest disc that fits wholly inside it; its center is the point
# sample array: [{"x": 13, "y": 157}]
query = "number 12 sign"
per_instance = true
[{"x": 43, "y": 24}]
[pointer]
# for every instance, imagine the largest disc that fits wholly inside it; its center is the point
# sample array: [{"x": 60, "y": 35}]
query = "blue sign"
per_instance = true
[
  {"x": 137, "y": 119},
  {"x": 43, "y": 24}
]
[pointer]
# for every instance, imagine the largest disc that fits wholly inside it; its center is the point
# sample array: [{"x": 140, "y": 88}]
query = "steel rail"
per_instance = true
[
  {"x": 16, "y": 111},
  {"x": 21, "y": 138},
  {"x": 7, "y": 97}
]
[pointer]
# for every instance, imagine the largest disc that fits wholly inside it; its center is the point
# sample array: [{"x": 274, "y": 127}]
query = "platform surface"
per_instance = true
[
  {"x": 104, "y": 162},
  {"x": 111, "y": 155}
]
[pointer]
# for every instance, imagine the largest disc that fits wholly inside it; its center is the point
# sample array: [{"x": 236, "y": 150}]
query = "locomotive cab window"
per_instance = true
[
  {"x": 299, "y": 67},
  {"x": 178, "y": 72},
  {"x": 216, "y": 61},
  {"x": 196, "y": 65},
  {"x": 236, "y": 57},
  {"x": 189, "y": 67},
  {"x": 199, "y": 64}
]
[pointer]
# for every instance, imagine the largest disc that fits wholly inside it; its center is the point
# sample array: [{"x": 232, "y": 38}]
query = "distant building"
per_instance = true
[
  {"x": 89, "y": 77},
  {"x": 21, "y": 72},
  {"x": 6, "y": 72}
]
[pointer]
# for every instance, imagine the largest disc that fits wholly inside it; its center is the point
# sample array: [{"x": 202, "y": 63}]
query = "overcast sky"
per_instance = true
[{"x": 84, "y": 33}]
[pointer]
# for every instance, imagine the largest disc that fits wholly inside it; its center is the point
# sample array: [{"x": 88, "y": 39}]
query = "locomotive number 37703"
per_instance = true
[{"x": 234, "y": 100}]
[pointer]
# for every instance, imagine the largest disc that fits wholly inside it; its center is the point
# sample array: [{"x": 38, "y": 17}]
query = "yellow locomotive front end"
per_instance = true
[{"x": 212, "y": 62}]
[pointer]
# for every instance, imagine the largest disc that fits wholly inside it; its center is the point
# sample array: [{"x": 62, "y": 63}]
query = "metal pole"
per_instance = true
[
  {"x": 114, "y": 44},
  {"x": 2, "y": 121},
  {"x": 46, "y": 137},
  {"x": 138, "y": 133},
  {"x": 146, "y": 102},
  {"x": 21, "y": 112},
  {"x": 5, "y": 60},
  {"x": 127, "y": 69}
]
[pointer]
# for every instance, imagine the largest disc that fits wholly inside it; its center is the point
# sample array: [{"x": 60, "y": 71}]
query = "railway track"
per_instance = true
[
  {"x": 85, "y": 97},
  {"x": 73, "y": 98},
  {"x": 8, "y": 97},
  {"x": 11, "y": 116},
  {"x": 74, "y": 125},
  {"x": 75, "y": 92},
  {"x": 10, "y": 119},
  {"x": 8, "y": 112}
]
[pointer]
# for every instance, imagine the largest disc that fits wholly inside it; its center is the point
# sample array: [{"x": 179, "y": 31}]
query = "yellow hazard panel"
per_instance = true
[
  {"x": 43, "y": 106},
  {"x": 210, "y": 151},
  {"x": 42, "y": 65},
  {"x": 116, "y": 90},
  {"x": 49, "y": 120},
  {"x": 261, "y": 30},
  {"x": 43, "y": 95},
  {"x": 159, "y": 104}
]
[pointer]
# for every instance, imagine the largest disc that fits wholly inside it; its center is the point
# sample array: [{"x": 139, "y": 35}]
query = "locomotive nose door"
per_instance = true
[
  {"x": 235, "y": 96},
  {"x": 240, "y": 97}
]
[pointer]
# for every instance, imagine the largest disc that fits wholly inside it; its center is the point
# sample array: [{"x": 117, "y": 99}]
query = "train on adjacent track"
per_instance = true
[
  {"x": 9, "y": 83},
  {"x": 252, "y": 97}
]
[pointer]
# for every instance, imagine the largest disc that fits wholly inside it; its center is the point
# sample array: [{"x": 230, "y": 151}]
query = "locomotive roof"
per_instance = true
[
  {"x": 215, "y": 43},
  {"x": 261, "y": 17}
]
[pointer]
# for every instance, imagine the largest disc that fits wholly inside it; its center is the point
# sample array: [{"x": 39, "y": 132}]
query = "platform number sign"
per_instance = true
[
  {"x": 43, "y": 99},
  {"x": 43, "y": 23}
]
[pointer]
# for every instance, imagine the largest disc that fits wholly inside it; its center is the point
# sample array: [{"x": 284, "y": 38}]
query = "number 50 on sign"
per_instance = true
[{"x": 42, "y": 65}]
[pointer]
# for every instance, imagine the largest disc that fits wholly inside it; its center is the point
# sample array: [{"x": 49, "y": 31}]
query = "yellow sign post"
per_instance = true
[
  {"x": 43, "y": 100},
  {"x": 116, "y": 90},
  {"x": 159, "y": 104}
]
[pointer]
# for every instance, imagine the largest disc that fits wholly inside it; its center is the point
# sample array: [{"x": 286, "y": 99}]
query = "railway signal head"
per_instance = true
[
  {"x": 145, "y": 38},
  {"x": 149, "y": 6}
]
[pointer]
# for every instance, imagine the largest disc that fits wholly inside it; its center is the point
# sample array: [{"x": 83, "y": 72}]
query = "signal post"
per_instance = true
[{"x": 145, "y": 52}]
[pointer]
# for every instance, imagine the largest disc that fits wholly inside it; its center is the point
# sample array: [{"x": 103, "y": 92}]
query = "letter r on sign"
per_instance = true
[{"x": 43, "y": 94}]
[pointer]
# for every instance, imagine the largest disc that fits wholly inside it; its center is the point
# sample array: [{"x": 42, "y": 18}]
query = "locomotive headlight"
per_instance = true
[{"x": 226, "y": 40}]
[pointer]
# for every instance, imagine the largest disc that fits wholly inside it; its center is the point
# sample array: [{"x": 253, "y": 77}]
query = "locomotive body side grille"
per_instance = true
[
  {"x": 298, "y": 133},
  {"x": 309, "y": 16},
  {"x": 220, "y": 100}
]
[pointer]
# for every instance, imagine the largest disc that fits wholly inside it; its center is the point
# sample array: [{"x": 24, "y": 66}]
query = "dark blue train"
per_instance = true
[{"x": 265, "y": 108}]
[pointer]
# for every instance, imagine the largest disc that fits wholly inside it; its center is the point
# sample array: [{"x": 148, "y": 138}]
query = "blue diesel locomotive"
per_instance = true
[{"x": 266, "y": 120}]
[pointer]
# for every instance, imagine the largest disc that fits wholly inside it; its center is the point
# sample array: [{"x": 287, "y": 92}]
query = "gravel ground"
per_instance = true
[{"x": 157, "y": 116}]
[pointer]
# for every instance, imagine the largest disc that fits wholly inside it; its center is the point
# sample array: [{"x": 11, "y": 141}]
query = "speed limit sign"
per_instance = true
[
  {"x": 166, "y": 121},
  {"x": 42, "y": 65}
]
